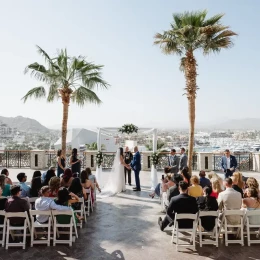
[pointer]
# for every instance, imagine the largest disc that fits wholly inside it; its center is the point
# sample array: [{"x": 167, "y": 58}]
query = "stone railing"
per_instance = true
[{"x": 39, "y": 159}]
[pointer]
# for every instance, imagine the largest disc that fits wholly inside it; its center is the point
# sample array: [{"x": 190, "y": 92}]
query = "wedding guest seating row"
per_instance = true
[{"x": 247, "y": 220}]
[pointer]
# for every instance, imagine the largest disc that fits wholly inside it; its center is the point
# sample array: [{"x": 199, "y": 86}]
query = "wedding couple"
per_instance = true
[{"x": 116, "y": 181}]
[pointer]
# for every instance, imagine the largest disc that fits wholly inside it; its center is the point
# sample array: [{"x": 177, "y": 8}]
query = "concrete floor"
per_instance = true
[{"x": 125, "y": 227}]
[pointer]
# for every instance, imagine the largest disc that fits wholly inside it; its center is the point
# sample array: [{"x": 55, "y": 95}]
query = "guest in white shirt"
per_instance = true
[
  {"x": 46, "y": 203},
  {"x": 230, "y": 200}
]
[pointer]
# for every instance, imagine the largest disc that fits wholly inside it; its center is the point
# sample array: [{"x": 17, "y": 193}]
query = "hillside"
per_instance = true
[
  {"x": 24, "y": 124},
  {"x": 240, "y": 124}
]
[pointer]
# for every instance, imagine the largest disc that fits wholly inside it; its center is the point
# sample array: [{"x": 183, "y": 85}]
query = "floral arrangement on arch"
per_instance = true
[
  {"x": 99, "y": 158},
  {"x": 154, "y": 158},
  {"x": 128, "y": 129}
]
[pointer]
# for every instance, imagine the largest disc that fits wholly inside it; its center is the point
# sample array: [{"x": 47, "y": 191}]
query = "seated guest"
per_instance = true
[
  {"x": 16, "y": 204},
  {"x": 174, "y": 190},
  {"x": 45, "y": 203},
  {"x": 216, "y": 187},
  {"x": 5, "y": 187},
  {"x": 66, "y": 178},
  {"x": 49, "y": 175},
  {"x": 78, "y": 190},
  {"x": 87, "y": 184},
  {"x": 45, "y": 173},
  {"x": 252, "y": 202},
  {"x": 195, "y": 190},
  {"x": 35, "y": 187},
  {"x": 37, "y": 174},
  {"x": 54, "y": 185},
  {"x": 159, "y": 186},
  {"x": 185, "y": 175},
  {"x": 66, "y": 198},
  {"x": 92, "y": 178},
  {"x": 182, "y": 203},
  {"x": 203, "y": 180},
  {"x": 213, "y": 176},
  {"x": 207, "y": 203},
  {"x": 251, "y": 183},
  {"x": 168, "y": 184},
  {"x": 230, "y": 199},
  {"x": 3, "y": 200},
  {"x": 24, "y": 187},
  {"x": 7, "y": 179},
  {"x": 235, "y": 185},
  {"x": 240, "y": 182}
]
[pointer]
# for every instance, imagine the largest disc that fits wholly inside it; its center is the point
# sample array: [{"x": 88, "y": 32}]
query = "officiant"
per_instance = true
[{"x": 128, "y": 157}]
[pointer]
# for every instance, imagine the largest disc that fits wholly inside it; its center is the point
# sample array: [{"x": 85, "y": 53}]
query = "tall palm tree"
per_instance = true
[
  {"x": 188, "y": 32},
  {"x": 69, "y": 78}
]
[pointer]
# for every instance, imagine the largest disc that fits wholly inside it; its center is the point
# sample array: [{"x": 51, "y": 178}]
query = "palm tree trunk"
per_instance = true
[
  {"x": 64, "y": 127},
  {"x": 191, "y": 89}
]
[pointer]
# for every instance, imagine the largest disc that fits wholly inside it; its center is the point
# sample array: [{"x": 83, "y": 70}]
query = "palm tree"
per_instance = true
[
  {"x": 69, "y": 78},
  {"x": 160, "y": 145},
  {"x": 191, "y": 31},
  {"x": 94, "y": 147}
]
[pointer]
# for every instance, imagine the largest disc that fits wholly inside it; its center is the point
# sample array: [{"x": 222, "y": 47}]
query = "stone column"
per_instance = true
[
  {"x": 256, "y": 162},
  {"x": 38, "y": 160},
  {"x": 145, "y": 161},
  {"x": 205, "y": 161},
  {"x": 90, "y": 154}
]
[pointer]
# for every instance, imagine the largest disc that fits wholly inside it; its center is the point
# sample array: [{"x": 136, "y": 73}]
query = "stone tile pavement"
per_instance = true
[{"x": 125, "y": 227}]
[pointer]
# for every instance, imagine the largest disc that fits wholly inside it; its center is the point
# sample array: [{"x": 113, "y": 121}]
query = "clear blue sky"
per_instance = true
[{"x": 146, "y": 86}]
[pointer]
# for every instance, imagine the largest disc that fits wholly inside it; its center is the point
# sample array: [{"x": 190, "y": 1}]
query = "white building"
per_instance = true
[{"x": 79, "y": 136}]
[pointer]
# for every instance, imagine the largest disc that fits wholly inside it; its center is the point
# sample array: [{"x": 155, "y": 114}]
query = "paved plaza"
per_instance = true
[{"x": 125, "y": 227}]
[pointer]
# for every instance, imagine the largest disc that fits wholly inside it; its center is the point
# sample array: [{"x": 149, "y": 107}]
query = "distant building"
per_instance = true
[{"x": 77, "y": 137}]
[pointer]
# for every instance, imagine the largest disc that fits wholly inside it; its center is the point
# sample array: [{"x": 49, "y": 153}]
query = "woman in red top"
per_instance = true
[{"x": 54, "y": 185}]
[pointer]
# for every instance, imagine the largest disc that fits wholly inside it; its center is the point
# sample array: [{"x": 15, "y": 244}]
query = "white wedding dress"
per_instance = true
[{"x": 115, "y": 181}]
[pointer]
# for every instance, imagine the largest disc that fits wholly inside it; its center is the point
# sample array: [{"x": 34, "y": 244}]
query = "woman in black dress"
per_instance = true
[
  {"x": 75, "y": 162},
  {"x": 207, "y": 203},
  {"x": 60, "y": 163}
]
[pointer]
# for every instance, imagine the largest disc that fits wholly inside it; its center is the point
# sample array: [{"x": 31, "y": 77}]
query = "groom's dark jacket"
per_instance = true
[{"x": 136, "y": 162}]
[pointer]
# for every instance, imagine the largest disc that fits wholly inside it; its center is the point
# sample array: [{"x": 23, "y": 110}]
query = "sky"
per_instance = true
[{"x": 146, "y": 86}]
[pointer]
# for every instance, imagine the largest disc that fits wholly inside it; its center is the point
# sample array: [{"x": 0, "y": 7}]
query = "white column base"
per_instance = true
[
  {"x": 99, "y": 176},
  {"x": 154, "y": 178}
]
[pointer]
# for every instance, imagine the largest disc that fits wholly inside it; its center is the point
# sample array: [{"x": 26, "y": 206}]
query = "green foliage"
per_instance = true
[
  {"x": 128, "y": 129},
  {"x": 160, "y": 145},
  {"x": 99, "y": 158},
  {"x": 63, "y": 72},
  {"x": 154, "y": 158},
  {"x": 94, "y": 147},
  {"x": 190, "y": 31}
]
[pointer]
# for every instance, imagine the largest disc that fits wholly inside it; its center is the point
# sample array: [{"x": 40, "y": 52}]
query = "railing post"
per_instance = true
[{"x": 38, "y": 159}]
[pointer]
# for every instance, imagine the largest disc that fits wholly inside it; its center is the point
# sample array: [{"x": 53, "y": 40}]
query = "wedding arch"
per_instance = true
[{"x": 111, "y": 131}]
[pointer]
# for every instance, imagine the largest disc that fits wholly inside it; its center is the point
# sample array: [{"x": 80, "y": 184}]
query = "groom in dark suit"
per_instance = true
[{"x": 136, "y": 166}]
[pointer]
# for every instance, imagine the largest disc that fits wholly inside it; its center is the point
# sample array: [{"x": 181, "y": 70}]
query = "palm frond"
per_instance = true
[
  {"x": 37, "y": 93},
  {"x": 84, "y": 95},
  {"x": 53, "y": 93},
  {"x": 182, "y": 64},
  {"x": 213, "y": 20}
]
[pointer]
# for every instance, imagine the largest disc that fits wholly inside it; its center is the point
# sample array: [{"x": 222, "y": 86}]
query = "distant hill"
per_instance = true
[
  {"x": 246, "y": 123},
  {"x": 24, "y": 124}
]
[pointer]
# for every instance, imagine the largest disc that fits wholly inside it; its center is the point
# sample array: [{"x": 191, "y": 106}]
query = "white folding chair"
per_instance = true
[
  {"x": 70, "y": 225},
  {"x": 3, "y": 226},
  {"x": 213, "y": 233},
  {"x": 35, "y": 224},
  {"x": 32, "y": 202},
  {"x": 252, "y": 225},
  {"x": 235, "y": 229},
  {"x": 95, "y": 194},
  {"x": 81, "y": 211},
  {"x": 89, "y": 205},
  {"x": 10, "y": 228},
  {"x": 191, "y": 231}
]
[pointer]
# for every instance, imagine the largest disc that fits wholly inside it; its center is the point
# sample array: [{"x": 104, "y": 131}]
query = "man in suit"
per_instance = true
[
  {"x": 173, "y": 162},
  {"x": 182, "y": 203},
  {"x": 230, "y": 199},
  {"x": 174, "y": 190},
  {"x": 228, "y": 164},
  {"x": 183, "y": 159},
  {"x": 136, "y": 166},
  {"x": 128, "y": 157}
]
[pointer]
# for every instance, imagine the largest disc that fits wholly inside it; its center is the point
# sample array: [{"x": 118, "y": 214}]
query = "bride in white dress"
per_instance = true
[{"x": 116, "y": 179}]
